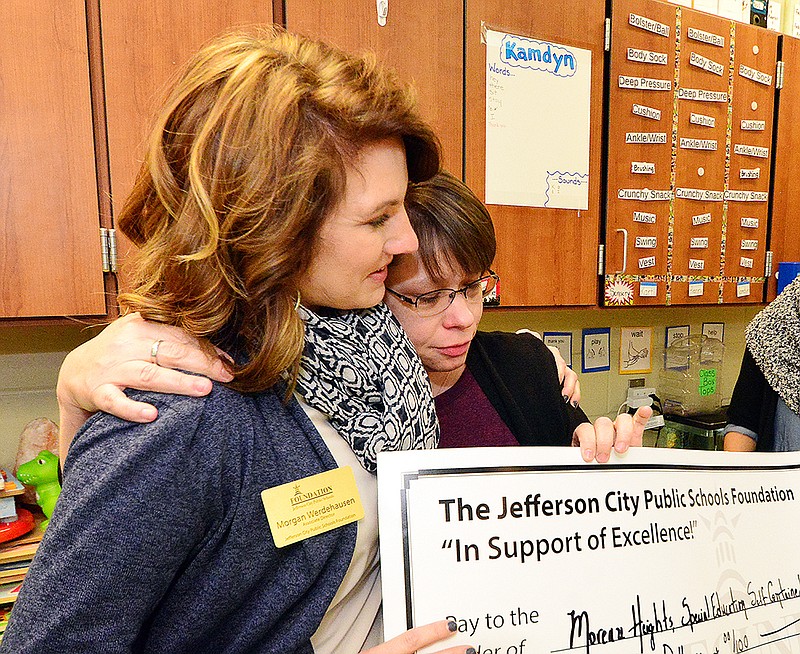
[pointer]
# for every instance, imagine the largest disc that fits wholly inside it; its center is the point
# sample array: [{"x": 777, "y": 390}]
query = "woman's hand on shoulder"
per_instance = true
[
  {"x": 419, "y": 637},
  {"x": 570, "y": 386},
  {"x": 596, "y": 440},
  {"x": 94, "y": 375}
]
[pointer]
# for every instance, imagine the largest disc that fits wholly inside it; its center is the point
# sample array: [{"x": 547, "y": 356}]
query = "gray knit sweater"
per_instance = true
[{"x": 159, "y": 542}]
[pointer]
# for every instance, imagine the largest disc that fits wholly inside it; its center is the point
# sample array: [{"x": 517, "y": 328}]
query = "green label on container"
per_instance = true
[{"x": 708, "y": 381}]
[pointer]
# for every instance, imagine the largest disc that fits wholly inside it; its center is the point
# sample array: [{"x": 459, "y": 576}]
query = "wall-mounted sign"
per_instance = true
[
  {"x": 542, "y": 162},
  {"x": 648, "y": 24},
  {"x": 676, "y": 360},
  {"x": 703, "y": 95},
  {"x": 646, "y": 112},
  {"x": 696, "y": 289},
  {"x": 754, "y": 125},
  {"x": 635, "y": 350},
  {"x": 644, "y": 83},
  {"x": 702, "y": 120},
  {"x": 714, "y": 330},
  {"x": 648, "y": 56},
  {"x": 698, "y": 144},
  {"x": 701, "y": 219},
  {"x": 700, "y": 61},
  {"x": 643, "y": 167},
  {"x": 562, "y": 341},
  {"x": 705, "y": 37},
  {"x": 648, "y": 289},
  {"x": 596, "y": 356},
  {"x": 706, "y": 195},
  {"x": 746, "y": 196},
  {"x": 750, "y": 150},
  {"x": 755, "y": 75},
  {"x": 645, "y": 137},
  {"x": 644, "y": 194},
  {"x": 742, "y": 289},
  {"x": 644, "y": 217}
]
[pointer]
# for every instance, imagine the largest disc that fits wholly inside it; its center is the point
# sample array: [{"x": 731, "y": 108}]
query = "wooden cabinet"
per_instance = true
[
  {"x": 545, "y": 257},
  {"x": 689, "y": 156},
  {"x": 785, "y": 229},
  {"x": 640, "y": 170},
  {"x": 80, "y": 81},
  {"x": 144, "y": 44},
  {"x": 50, "y": 257},
  {"x": 752, "y": 115},
  {"x": 423, "y": 43}
]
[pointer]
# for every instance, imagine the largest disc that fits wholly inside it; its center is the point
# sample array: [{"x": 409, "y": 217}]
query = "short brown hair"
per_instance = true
[
  {"x": 453, "y": 226},
  {"x": 247, "y": 158}
]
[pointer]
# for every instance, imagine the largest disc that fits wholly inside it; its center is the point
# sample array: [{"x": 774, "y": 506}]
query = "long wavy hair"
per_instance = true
[{"x": 246, "y": 159}]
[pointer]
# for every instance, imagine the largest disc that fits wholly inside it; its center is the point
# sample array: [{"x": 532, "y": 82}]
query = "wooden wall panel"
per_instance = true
[
  {"x": 715, "y": 242},
  {"x": 144, "y": 43},
  {"x": 625, "y": 212},
  {"x": 545, "y": 257},
  {"x": 703, "y": 67},
  {"x": 424, "y": 46},
  {"x": 754, "y": 102},
  {"x": 785, "y": 230},
  {"x": 50, "y": 258}
]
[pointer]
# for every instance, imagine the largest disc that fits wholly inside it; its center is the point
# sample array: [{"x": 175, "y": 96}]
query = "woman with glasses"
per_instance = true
[{"x": 491, "y": 388}]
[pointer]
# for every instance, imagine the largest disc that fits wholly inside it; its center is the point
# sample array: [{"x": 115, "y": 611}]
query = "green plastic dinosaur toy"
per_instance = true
[{"x": 42, "y": 473}]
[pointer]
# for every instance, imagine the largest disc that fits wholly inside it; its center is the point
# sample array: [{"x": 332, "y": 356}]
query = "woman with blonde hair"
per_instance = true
[{"x": 268, "y": 207}]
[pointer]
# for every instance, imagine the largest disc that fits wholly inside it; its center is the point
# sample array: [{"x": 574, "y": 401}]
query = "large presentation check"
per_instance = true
[{"x": 530, "y": 550}]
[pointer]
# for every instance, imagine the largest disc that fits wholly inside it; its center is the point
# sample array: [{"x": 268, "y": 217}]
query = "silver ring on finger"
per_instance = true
[{"x": 154, "y": 351}]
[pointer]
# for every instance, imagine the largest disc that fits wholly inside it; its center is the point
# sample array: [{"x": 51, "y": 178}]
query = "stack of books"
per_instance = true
[
  {"x": 15, "y": 557},
  {"x": 20, "y": 535}
]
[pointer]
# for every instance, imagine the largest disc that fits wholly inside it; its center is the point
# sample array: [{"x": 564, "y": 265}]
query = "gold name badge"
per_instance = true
[{"x": 311, "y": 506}]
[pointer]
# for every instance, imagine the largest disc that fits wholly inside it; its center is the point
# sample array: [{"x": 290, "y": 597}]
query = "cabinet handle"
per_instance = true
[
  {"x": 624, "y": 251},
  {"x": 383, "y": 11}
]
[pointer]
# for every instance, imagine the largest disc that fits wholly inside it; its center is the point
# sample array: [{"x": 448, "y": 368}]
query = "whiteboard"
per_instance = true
[{"x": 537, "y": 122}]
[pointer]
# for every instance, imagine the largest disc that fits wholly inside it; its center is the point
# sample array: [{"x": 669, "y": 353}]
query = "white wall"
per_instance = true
[
  {"x": 603, "y": 392},
  {"x": 29, "y": 361},
  {"x": 30, "y": 357}
]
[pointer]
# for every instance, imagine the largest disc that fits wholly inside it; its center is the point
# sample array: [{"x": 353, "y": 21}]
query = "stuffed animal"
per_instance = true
[
  {"x": 42, "y": 473},
  {"x": 40, "y": 434}
]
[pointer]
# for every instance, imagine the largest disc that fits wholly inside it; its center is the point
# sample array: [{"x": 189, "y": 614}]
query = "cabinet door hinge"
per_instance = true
[
  {"x": 607, "y": 39},
  {"x": 108, "y": 246},
  {"x": 768, "y": 264},
  {"x": 601, "y": 260},
  {"x": 779, "y": 75}
]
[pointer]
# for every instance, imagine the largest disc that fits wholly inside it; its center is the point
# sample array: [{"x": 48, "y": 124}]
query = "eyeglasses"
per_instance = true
[{"x": 435, "y": 302}]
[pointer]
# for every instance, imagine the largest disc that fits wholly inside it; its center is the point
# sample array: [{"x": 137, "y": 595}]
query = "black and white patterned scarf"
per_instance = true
[
  {"x": 773, "y": 338},
  {"x": 360, "y": 370}
]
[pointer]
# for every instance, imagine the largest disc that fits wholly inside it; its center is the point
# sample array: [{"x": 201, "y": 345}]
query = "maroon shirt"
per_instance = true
[{"x": 468, "y": 419}]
